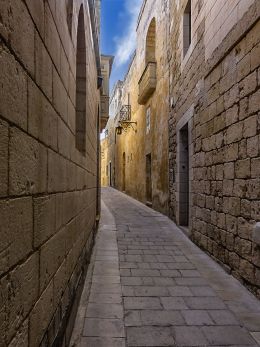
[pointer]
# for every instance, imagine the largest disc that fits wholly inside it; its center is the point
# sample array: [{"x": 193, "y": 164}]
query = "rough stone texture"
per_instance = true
[
  {"x": 16, "y": 228},
  {"x": 41, "y": 316},
  {"x": 3, "y": 158},
  {"x": 18, "y": 28},
  {"x": 24, "y": 282},
  {"x": 48, "y": 189},
  {"x": 44, "y": 219},
  {"x": 224, "y": 132},
  {"x": 13, "y": 91},
  {"x": 28, "y": 164},
  {"x": 43, "y": 68},
  {"x": 21, "y": 339},
  {"x": 42, "y": 119}
]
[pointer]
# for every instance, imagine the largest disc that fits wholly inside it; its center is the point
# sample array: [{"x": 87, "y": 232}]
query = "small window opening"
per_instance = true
[
  {"x": 148, "y": 120},
  {"x": 187, "y": 28}
]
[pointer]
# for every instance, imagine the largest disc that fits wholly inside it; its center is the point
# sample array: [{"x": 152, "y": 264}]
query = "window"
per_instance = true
[
  {"x": 148, "y": 120},
  {"x": 81, "y": 96},
  {"x": 187, "y": 28}
]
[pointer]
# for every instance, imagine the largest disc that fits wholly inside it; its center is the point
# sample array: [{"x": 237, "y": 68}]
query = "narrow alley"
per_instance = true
[
  {"x": 129, "y": 173},
  {"x": 149, "y": 285}
]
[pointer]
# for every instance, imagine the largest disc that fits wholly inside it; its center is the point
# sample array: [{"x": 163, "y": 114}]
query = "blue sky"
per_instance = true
[{"x": 118, "y": 24}]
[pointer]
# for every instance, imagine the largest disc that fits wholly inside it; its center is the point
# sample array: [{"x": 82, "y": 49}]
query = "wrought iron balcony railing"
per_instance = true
[
  {"x": 125, "y": 113},
  {"x": 124, "y": 122}
]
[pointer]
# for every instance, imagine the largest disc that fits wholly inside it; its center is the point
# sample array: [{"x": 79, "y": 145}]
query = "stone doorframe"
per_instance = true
[{"x": 186, "y": 119}]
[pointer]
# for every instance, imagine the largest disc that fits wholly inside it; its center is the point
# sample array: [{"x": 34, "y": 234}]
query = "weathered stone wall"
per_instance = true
[
  {"x": 137, "y": 144},
  {"x": 104, "y": 162},
  {"x": 217, "y": 93},
  {"x": 109, "y": 143},
  {"x": 48, "y": 188}
]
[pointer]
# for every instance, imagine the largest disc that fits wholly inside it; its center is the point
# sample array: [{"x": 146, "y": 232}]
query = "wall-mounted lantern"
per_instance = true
[
  {"x": 119, "y": 130},
  {"x": 125, "y": 120},
  {"x": 124, "y": 126}
]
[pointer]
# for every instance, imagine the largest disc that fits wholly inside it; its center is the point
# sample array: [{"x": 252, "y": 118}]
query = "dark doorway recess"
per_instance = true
[
  {"x": 149, "y": 179},
  {"x": 184, "y": 177},
  {"x": 123, "y": 185}
]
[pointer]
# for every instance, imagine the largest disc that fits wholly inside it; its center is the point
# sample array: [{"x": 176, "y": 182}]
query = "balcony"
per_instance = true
[
  {"x": 147, "y": 83},
  {"x": 104, "y": 111}
]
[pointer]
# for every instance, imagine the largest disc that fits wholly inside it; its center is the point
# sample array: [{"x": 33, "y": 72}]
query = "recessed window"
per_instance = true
[
  {"x": 187, "y": 28},
  {"x": 148, "y": 120},
  {"x": 81, "y": 96}
]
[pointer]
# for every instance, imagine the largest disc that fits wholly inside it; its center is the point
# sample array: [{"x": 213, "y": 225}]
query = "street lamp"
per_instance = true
[{"x": 119, "y": 130}]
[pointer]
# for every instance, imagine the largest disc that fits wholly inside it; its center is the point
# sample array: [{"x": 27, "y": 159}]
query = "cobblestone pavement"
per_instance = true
[{"x": 151, "y": 286}]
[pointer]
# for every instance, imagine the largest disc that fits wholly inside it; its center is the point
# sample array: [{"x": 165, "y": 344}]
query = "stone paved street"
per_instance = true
[{"x": 151, "y": 286}]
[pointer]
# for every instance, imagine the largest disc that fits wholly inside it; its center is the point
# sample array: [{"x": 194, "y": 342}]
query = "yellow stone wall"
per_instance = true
[
  {"x": 48, "y": 188},
  {"x": 136, "y": 144},
  {"x": 104, "y": 162}
]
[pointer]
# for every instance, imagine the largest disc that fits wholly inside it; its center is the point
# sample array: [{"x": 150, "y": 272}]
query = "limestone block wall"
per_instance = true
[
  {"x": 132, "y": 146},
  {"x": 221, "y": 96},
  {"x": 104, "y": 162},
  {"x": 48, "y": 189}
]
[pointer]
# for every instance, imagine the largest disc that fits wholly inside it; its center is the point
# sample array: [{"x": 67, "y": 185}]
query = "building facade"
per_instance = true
[
  {"x": 139, "y": 155},
  {"x": 108, "y": 156},
  {"x": 106, "y": 68},
  {"x": 192, "y": 91},
  {"x": 108, "y": 143},
  {"x": 214, "y": 165},
  {"x": 49, "y": 145}
]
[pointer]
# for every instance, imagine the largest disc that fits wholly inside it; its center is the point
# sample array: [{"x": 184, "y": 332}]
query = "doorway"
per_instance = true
[
  {"x": 110, "y": 174},
  {"x": 184, "y": 189},
  {"x": 149, "y": 179},
  {"x": 123, "y": 182}
]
